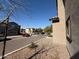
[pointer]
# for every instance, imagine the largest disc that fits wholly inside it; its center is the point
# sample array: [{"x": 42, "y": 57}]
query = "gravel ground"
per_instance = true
[{"x": 50, "y": 50}]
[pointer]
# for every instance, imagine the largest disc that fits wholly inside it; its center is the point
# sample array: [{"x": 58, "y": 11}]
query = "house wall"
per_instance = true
[
  {"x": 72, "y": 11},
  {"x": 59, "y": 34}
]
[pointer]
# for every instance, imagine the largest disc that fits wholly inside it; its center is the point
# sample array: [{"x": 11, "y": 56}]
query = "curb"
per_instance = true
[{"x": 13, "y": 36}]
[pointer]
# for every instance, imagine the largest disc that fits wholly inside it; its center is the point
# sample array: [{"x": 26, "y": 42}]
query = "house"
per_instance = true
[
  {"x": 13, "y": 29},
  {"x": 66, "y": 29},
  {"x": 58, "y": 24},
  {"x": 72, "y": 26}
]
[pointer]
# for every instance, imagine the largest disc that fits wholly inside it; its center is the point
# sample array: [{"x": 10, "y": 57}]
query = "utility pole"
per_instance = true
[
  {"x": 5, "y": 22},
  {"x": 5, "y": 37},
  {"x": 14, "y": 5}
]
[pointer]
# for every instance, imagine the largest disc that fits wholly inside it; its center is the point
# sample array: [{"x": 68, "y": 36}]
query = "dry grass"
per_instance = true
[{"x": 48, "y": 50}]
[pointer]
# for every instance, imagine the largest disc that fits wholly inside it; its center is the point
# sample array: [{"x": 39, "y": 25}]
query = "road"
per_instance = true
[{"x": 18, "y": 42}]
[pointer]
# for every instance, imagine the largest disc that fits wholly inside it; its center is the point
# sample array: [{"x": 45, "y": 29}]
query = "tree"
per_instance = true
[
  {"x": 38, "y": 30},
  {"x": 48, "y": 29}
]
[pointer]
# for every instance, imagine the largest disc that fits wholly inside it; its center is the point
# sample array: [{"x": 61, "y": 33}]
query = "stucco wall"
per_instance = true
[
  {"x": 59, "y": 34},
  {"x": 71, "y": 8}
]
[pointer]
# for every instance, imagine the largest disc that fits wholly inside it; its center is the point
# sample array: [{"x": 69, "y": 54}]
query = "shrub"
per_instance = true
[{"x": 33, "y": 45}]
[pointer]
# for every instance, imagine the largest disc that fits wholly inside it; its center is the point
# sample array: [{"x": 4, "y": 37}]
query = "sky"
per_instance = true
[{"x": 32, "y": 13}]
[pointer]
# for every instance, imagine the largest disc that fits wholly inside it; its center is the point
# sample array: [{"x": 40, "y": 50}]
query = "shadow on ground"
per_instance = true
[{"x": 1, "y": 40}]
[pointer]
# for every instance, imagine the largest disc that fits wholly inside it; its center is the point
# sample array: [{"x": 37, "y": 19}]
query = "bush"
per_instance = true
[
  {"x": 49, "y": 35},
  {"x": 33, "y": 45}
]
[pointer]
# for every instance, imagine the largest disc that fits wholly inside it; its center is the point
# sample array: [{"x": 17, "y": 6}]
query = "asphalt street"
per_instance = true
[{"x": 18, "y": 42}]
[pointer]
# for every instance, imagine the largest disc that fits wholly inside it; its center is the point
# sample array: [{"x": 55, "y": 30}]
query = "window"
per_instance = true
[{"x": 68, "y": 29}]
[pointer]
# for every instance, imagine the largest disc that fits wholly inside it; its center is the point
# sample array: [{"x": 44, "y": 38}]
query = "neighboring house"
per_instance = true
[
  {"x": 66, "y": 29},
  {"x": 13, "y": 29}
]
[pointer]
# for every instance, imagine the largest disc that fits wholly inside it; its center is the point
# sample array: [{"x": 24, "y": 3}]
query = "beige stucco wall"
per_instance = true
[{"x": 59, "y": 31}]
